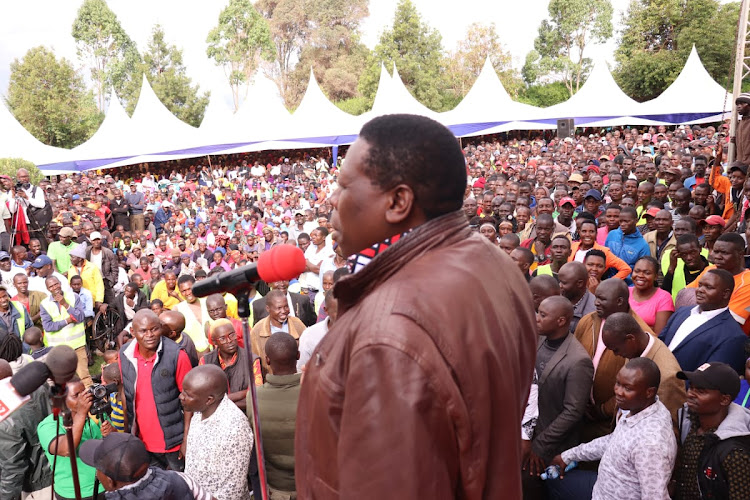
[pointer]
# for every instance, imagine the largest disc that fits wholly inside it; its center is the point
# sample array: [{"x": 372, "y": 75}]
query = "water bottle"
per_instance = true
[{"x": 553, "y": 471}]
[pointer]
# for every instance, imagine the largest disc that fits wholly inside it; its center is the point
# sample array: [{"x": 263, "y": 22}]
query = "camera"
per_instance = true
[
  {"x": 100, "y": 404},
  {"x": 19, "y": 186}
]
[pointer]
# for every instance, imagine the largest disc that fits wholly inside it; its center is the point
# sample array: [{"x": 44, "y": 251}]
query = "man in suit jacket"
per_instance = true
[
  {"x": 624, "y": 337},
  {"x": 708, "y": 331},
  {"x": 299, "y": 307},
  {"x": 611, "y": 297},
  {"x": 565, "y": 374}
]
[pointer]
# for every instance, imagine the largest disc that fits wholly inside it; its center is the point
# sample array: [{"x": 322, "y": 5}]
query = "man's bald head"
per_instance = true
[
  {"x": 215, "y": 300},
  {"x": 558, "y": 306},
  {"x": 543, "y": 286},
  {"x": 611, "y": 297},
  {"x": 145, "y": 314},
  {"x": 172, "y": 321},
  {"x": 207, "y": 381},
  {"x": 573, "y": 280}
]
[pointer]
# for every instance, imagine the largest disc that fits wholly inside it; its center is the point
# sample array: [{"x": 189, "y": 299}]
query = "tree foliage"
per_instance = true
[
  {"x": 319, "y": 34},
  {"x": 544, "y": 95},
  {"x": 11, "y": 166},
  {"x": 467, "y": 60},
  {"x": 560, "y": 47},
  {"x": 111, "y": 55},
  {"x": 50, "y": 99},
  {"x": 657, "y": 38},
  {"x": 238, "y": 42},
  {"x": 417, "y": 51},
  {"x": 167, "y": 75}
]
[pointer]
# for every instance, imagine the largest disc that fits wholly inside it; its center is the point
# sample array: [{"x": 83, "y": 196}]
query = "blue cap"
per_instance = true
[
  {"x": 41, "y": 261},
  {"x": 76, "y": 197},
  {"x": 4, "y": 255},
  {"x": 593, "y": 193}
]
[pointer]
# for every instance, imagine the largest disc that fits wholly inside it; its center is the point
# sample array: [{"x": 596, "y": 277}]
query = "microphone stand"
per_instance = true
[
  {"x": 243, "y": 310},
  {"x": 57, "y": 396}
]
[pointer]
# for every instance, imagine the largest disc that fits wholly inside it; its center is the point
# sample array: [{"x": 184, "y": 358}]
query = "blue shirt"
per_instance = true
[
  {"x": 629, "y": 247},
  {"x": 87, "y": 301}
]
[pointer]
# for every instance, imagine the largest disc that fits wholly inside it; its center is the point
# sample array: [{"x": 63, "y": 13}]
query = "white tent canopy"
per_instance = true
[
  {"x": 599, "y": 102},
  {"x": 393, "y": 97},
  {"x": 113, "y": 129},
  {"x": 316, "y": 116},
  {"x": 488, "y": 101},
  {"x": 694, "y": 92},
  {"x": 215, "y": 119},
  {"x": 17, "y": 142}
]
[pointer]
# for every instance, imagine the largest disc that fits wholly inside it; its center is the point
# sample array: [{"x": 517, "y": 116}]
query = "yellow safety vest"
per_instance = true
[
  {"x": 72, "y": 334},
  {"x": 21, "y": 322}
]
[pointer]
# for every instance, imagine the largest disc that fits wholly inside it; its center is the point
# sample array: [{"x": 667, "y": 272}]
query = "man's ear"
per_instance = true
[{"x": 401, "y": 204}]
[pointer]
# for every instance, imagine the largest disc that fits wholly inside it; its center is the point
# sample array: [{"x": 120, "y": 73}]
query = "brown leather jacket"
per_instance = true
[{"x": 418, "y": 389}]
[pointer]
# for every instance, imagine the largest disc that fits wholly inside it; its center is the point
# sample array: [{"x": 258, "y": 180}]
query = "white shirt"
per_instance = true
[
  {"x": 696, "y": 319},
  {"x": 309, "y": 340},
  {"x": 37, "y": 284},
  {"x": 636, "y": 459},
  {"x": 314, "y": 256}
]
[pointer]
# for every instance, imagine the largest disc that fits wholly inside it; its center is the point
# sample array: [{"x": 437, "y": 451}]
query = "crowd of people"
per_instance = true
[{"x": 631, "y": 249}]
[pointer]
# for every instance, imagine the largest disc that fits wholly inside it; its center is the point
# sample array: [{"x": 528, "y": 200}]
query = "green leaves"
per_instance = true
[
  {"x": 166, "y": 73},
  {"x": 658, "y": 36},
  {"x": 560, "y": 47},
  {"x": 418, "y": 53},
  {"x": 10, "y": 167},
  {"x": 50, "y": 99},
  {"x": 240, "y": 40},
  {"x": 111, "y": 55}
]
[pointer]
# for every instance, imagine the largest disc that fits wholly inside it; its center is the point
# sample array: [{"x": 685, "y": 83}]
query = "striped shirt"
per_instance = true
[{"x": 117, "y": 417}]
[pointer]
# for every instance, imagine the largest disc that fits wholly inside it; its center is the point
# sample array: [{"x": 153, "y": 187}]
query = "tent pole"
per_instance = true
[{"x": 741, "y": 70}]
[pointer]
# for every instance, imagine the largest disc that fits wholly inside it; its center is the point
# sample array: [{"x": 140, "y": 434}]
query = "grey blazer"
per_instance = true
[{"x": 564, "y": 390}]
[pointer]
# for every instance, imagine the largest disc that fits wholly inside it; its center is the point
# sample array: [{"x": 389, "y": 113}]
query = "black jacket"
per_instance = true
[
  {"x": 23, "y": 465},
  {"x": 303, "y": 309},
  {"x": 119, "y": 306}
]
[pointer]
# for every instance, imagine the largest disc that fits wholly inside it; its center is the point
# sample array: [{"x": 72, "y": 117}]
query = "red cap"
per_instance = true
[
  {"x": 715, "y": 220},
  {"x": 652, "y": 211},
  {"x": 568, "y": 200}
]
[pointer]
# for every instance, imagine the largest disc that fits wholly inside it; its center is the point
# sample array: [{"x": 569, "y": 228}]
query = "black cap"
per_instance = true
[
  {"x": 120, "y": 456},
  {"x": 738, "y": 166},
  {"x": 714, "y": 376}
]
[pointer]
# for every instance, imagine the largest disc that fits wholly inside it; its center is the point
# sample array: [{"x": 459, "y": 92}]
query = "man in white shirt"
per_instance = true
[
  {"x": 312, "y": 336},
  {"x": 708, "y": 331},
  {"x": 220, "y": 439},
  {"x": 315, "y": 254},
  {"x": 43, "y": 267},
  {"x": 638, "y": 457}
]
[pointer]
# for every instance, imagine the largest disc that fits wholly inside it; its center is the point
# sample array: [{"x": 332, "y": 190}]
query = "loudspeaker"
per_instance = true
[{"x": 566, "y": 128}]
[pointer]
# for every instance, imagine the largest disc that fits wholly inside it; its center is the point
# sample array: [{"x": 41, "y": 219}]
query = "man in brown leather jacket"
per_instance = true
[{"x": 419, "y": 388}]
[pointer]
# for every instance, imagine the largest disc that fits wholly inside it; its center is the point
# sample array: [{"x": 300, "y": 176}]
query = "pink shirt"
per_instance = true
[
  {"x": 601, "y": 235},
  {"x": 660, "y": 301}
]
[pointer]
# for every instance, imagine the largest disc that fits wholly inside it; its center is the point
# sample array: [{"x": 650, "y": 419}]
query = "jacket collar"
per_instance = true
[{"x": 441, "y": 231}]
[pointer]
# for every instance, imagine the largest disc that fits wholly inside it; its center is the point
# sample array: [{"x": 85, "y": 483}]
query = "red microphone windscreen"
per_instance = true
[{"x": 282, "y": 263}]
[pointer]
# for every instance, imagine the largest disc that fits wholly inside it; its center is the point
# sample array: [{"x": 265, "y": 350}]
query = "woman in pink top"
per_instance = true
[
  {"x": 612, "y": 222},
  {"x": 652, "y": 304}
]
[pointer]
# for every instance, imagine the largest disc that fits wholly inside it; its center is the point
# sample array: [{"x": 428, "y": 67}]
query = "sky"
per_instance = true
[{"x": 24, "y": 25}]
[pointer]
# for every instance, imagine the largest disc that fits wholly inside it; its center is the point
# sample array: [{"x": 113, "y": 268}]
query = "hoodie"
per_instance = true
[{"x": 629, "y": 247}]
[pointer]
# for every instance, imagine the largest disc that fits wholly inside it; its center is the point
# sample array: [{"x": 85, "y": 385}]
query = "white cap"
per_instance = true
[{"x": 96, "y": 235}]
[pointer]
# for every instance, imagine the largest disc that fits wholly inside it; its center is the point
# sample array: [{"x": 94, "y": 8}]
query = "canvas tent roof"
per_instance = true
[
  {"x": 694, "y": 96},
  {"x": 17, "y": 142}
]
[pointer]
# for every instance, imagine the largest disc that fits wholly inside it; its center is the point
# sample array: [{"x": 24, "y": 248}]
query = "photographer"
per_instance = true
[
  {"x": 53, "y": 440},
  {"x": 32, "y": 203}
]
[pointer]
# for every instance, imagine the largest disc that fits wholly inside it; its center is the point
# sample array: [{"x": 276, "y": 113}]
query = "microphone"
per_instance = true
[
  {"x": 281, "y": 263},
  {"x": 60, "y": 366}
]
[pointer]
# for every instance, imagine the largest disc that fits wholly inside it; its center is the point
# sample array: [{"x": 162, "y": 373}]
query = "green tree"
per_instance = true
[
  {"x": 417, "y": 51},
  {"x": 466, "y": 62},
  {"x": 560, "y": 47},
  {"x": 111, "y": 55},
  {"x": 50, "y": 99},
  {"x": 658, "y": 35},
  {"x": 11, "y": 166},
  {"x": 290, "y": 25},
  {"x": 238, "y": 42},
  {"x": 166, "y": 74},
  {"x": 544, "y": 95}
]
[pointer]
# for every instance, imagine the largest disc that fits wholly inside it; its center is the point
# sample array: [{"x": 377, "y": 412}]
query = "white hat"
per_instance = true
[{"x": 96, "y": 235}]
